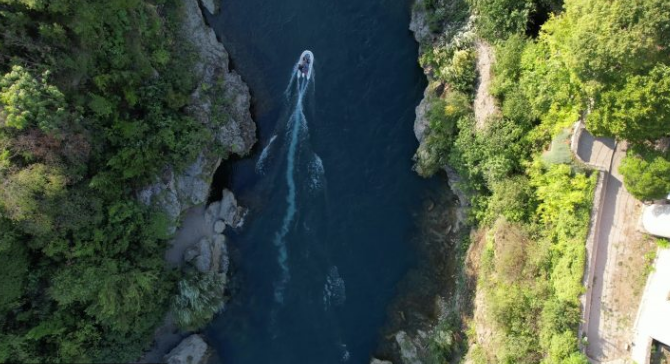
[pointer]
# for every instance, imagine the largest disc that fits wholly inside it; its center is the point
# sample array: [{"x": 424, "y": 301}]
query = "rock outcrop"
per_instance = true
[
  {"x": 192, "y": 350},
  {"x": 422, "y": 34},
  {"x": 221, "y": 103},
  {"x": 225, "y": 211},
  {"x": 485, "y": 104},
  {"x": 408, "y": 349},
  {"x": 419, "y": 23},
  {"x": 211, "y": 5},
  {"x": 377, "y": 361}
]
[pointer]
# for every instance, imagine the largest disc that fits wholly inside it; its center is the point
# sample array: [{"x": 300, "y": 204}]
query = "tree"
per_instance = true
[
  {"x": 499, "y": 18},
  {"x": 13, "y": 270},
  {"x": 646, "y": 173},
  {"x": 28, "y": 197},
  {"x": 638, "y": 111},
  {"x": 25, "y": 101}
]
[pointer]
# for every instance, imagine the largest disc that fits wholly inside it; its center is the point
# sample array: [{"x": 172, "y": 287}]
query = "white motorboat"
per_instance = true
[{"x": 305, "y": 64}]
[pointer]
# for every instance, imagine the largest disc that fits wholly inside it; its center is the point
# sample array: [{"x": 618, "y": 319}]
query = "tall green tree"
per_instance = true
[{"x": 646, "y": 173}]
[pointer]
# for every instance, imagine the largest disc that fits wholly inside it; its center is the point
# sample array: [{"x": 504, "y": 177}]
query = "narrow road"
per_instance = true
[{"x": 612, "y": 298}]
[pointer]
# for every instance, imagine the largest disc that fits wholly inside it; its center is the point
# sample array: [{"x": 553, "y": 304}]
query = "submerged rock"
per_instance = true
[{"x": 192, "y": 350}]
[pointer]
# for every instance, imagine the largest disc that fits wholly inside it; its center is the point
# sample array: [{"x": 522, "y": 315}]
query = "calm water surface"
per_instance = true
[{"x": 330, "y": 186}]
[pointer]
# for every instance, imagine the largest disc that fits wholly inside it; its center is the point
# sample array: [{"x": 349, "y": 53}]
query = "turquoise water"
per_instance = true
[{"x": 330, "y": 188}]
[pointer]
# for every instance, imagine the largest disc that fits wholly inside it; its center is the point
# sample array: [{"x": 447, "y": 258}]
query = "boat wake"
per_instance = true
[{"x": 296, "y": 131}]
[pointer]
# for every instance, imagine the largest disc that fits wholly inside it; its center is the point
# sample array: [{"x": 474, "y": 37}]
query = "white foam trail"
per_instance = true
[
  {"x": 260, "y": 165},
  {"x": 316, "y": 173},
  {"x": 334, "y": 291},
  {"x": 345, "y": 352},
  {"x": 296, "y": 119}
]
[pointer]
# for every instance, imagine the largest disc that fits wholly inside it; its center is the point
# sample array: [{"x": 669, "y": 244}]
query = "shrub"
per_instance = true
[
  {"x": 646, "y": 173},
  {"x": 199, "y": 297}
]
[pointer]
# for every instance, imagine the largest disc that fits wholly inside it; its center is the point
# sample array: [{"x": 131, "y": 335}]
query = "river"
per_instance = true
[{"x": 333, "y": 199}]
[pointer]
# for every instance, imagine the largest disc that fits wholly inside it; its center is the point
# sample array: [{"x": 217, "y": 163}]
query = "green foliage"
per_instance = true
[
  {"x": 559, "y": 152},
  {"x": 638, "y": 111},
  {"x": 535, "y": 270},
  {"x": 29, "y": 197},
  {"x": 14, "y": 270},
  {"x": 92, "y": 106},
  {"x": 646, "y": 173},
  {"x": 604, "y": 62},
  {"x": 200, "y": 296},
  {"x": 25, "y": 101},
  {"x": 499, "y": 18},
  {"x": 510, "y": 198},
  {"x": 442, "y": 117}
]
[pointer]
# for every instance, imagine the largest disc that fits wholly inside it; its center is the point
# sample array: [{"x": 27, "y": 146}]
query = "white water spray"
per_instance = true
[
  {"x": 260, "y": 165},
  {"x": 296, "y": 120}
]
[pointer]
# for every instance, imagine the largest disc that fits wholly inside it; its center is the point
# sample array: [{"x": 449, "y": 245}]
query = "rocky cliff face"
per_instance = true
[
  {"x": 221, "y": 103},
  {"x": 423, "y": 35}
]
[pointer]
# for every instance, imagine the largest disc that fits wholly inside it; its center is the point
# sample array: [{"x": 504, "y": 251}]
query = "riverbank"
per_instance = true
[
  {"x": 469, "y": 130},
  {"x": 198, "y": 248}
]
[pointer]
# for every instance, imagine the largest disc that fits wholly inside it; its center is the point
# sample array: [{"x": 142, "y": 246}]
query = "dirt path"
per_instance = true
[
  {"x": 485, "y": 105},
  {"x": 618, "y": 278}
]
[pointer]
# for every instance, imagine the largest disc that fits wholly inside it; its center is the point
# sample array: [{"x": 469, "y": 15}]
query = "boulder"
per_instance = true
[
  {"x": 221, "y": 258},
  {"x": 225, "y": 210},
  {"x": 377, "y": 361},
  {"x": 408, "y": 350},
  {"x": 192, "y": 350},
  {"x": 211, "y": 5},
  {"x": 200, "y": 255},
  {"x": 219, "y": 226}
]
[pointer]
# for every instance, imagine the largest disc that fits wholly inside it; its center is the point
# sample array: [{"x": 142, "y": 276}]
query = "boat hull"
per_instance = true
[{"x": 310, "y": 65}]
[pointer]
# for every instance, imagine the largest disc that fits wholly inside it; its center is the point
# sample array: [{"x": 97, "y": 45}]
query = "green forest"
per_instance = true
[
  {"x": 604, "y": 62},
  {"x": 92, "y": 98}
]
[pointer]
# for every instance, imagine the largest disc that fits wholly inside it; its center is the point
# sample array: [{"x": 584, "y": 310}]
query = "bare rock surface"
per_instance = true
[
  {"x": 211, "y": 5},
  {"x": 421, "y": 123},
  {"x": 419, "y": 23},
  {"x": 485, "y": 104},
  {"x": 377, "y": 361},
  {"x": 408, "y": 349},
  {"x": 192, "y": 350},
  {"x": 221, "y": 102}
]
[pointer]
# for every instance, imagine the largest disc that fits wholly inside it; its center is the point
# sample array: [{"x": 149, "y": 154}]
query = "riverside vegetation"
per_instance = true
[
  {"x": 92, "y": 107},
  {"x": 605, "y": 62}
]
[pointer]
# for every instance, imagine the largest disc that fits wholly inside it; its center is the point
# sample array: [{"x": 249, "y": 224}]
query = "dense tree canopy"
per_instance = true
[
  {"x": 92, "y": 97},
  {"x": 645, "y": 172},
  {"x": 604, "y": 62}
]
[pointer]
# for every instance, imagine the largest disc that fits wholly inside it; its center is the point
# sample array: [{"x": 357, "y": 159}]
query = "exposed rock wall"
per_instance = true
[
  {"x": 192, "y": 350},
  {"x": 423, "y": 35},
  {"x": 221, "y": 102}
]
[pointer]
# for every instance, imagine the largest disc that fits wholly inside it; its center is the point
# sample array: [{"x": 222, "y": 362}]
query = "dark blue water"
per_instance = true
[{"x": 334, "y": 199}]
